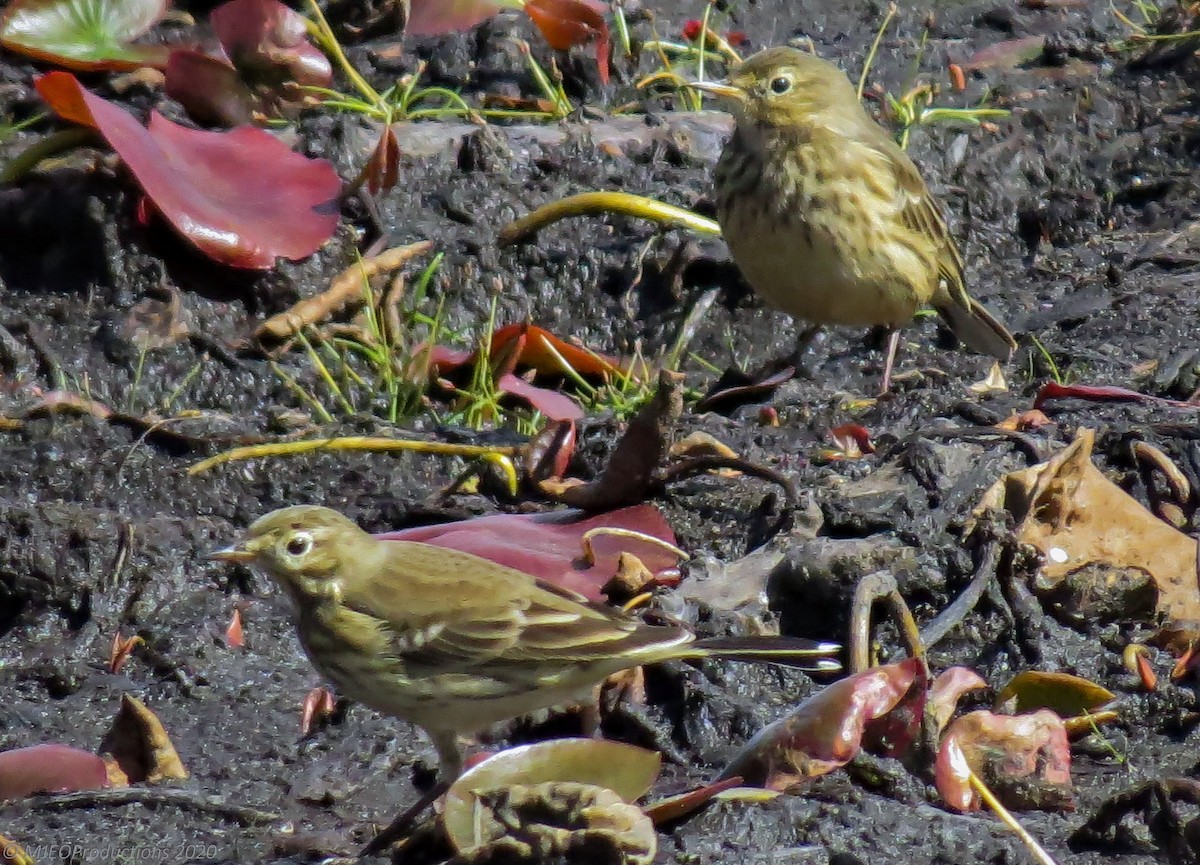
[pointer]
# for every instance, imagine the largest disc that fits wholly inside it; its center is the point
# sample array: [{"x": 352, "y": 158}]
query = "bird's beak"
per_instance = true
[
  {"x": 233, "y": 554},
  {"x": 716, "y": 88}
]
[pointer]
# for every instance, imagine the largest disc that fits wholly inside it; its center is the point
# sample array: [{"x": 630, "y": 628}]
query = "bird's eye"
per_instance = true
[
  {"x": 299, "y": 544},
  {"x": 780, "y": 84}
]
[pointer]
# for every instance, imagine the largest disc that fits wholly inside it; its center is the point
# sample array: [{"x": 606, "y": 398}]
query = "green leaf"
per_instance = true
[{"x": 84, "y": 34}]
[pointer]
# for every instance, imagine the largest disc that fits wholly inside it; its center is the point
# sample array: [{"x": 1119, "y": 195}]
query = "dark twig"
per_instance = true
[
  {"x": 945, "y": 621},
  {"x": 690, "y": 466},
  {"x": 188, "y": 800},
  {"x": 1025, "y": 443}
]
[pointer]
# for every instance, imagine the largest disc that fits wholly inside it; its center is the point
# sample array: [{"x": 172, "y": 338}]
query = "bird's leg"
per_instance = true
[
  {"x": 450, "y": 764},
  {"x": 803, "y": 341},
  {"x": 892, "y": 345},
  {"x": 589, "y": 714}
]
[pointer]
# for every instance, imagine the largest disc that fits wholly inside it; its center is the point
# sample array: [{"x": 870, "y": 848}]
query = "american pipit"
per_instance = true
[
  {"x": 453, "y": 642},
  {"x": 826, "y": 216}
]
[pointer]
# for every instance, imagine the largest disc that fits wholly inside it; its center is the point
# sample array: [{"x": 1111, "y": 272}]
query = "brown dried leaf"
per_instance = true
[
  {"x": 140, "y": 745},
  {"x": 1084, "y": 524}
]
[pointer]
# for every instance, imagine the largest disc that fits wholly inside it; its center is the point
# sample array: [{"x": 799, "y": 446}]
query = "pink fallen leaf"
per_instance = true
[
  {"x": 529, "y": 347},
  {"x": 825, "y": 731},
  {"x": 893, "y": 733},
  {"x": 209, "y": 88},
  {"x": 241, "y": 196},
  {"x": 266, "y": 61},
  {"x": 549, "y": 546},
  {"x": 1102, "y": 393},
  {"x": 234, "y": 636},
  {"x": 49, "y": 769},
  {"x": 1008, "y": 54},
  {"x": 1024, "y": 759},
  {"x": 270, "y": 41},
  {"x": 437, "y": 17},
  {"x": 554, "y": 405},
  {"x": 947, "y": 688}
]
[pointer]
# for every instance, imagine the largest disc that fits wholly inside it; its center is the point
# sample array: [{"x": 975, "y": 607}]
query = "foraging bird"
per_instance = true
[
  {"x": 827, "y": 218},
  {"x": 453, "y": 642}
]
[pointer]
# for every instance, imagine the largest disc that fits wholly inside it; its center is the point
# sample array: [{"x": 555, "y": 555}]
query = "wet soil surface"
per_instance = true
[{"x": 1078, "y": 216}]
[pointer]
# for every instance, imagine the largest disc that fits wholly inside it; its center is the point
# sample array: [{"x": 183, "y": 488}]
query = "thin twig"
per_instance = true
[{"x": 188, "y": 800}]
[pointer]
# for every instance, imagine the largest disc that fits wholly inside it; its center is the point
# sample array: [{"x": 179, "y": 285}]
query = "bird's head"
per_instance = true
[
  {"x": 302, "y": 548},
  {"x": 781, "y": 87}
]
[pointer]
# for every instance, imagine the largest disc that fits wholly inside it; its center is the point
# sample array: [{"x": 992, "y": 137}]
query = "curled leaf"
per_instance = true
[
  {"x": 84, "y": 34},
  {"x": 825, "y": 731},
  {"x": 625, "y": 770},
  {"x": 1024, "y": 759}
]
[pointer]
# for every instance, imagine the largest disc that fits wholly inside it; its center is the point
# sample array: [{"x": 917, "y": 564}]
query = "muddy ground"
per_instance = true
[{"x": 1078, "y": 218}]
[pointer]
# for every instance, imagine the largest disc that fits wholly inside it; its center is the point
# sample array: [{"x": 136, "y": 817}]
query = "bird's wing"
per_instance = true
[
  {"x": 920, "y": 211},
  {"x": 453, "y": 610}
]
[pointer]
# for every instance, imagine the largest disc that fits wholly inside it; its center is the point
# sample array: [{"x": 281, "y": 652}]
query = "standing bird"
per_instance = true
[
  {"x": 827, "y": 218},
  {"x": 453, "y": 642}
]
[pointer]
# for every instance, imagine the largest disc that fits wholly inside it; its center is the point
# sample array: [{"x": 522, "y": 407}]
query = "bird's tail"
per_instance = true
[
  {"x": 790, "y": 651},
  {"x": 977, "y": 328}
]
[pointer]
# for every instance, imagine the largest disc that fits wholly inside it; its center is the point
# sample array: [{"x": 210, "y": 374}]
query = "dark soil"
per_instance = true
[{"x": 1079, "y": 224}]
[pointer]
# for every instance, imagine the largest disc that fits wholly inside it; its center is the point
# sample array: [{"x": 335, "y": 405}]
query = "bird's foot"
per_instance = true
[{"x": 404, "y": 822}]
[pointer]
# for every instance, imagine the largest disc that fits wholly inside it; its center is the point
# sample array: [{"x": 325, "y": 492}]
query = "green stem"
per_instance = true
[{"x": 57, "y": 142}]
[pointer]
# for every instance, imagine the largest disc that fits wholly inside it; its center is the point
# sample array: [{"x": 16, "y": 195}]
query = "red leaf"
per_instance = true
[
  {"x": 241, "y": 197},
  {"x": 1102, "y": 393},
  {"x": 893, "y": 733},
  {"x": 319, "y": 706},
  {"x": 946, "y": 690},
  {"x": 526, "y": 346},
  {"x": 825, "y": 731},
  {"x": 383, "y": 167},
  {"x": 266, "y": 39},
  {"x": 548, "y": 546},
  {"x": 567, "y": 23},
  {"x": 84, "y": 34},
  {"x": 209, "y": 88},
  {"x": 49, "y": 769},
  {"x": 554, "y": 405},
  {"x": 436, "y": 17}
]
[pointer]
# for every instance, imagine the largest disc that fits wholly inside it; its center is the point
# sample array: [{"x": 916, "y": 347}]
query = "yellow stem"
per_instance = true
[
  {"x": 591, "y": 203},
  {"x": 501, "y": 457}
]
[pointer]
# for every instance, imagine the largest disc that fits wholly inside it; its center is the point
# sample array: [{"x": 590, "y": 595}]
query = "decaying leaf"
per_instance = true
[
  {"x": 578, "y": 768},
  {"x": 557, "y": 821},
  {"x": 140, "y": 745},
  {"x": 642, "y": 449},
  {"x": 947, "y": 688},
  {"x": 1095, "y": 539},
  {"x": 1024, "y": 759},
  {"x": 825, "y": 731}
]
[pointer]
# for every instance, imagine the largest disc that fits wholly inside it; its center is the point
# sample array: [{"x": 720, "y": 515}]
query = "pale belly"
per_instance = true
[
  {"x": 437, "y": 702},
  {"x": 804, "y": 274}
]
